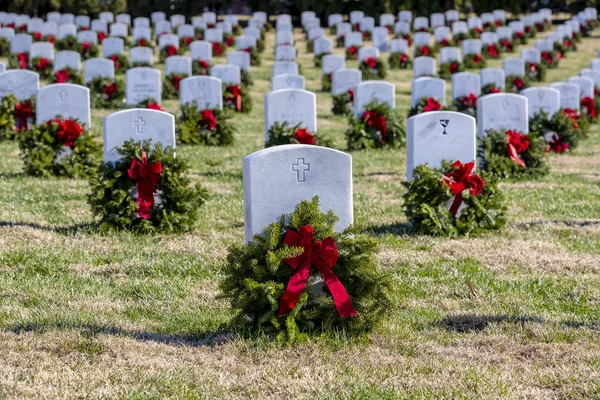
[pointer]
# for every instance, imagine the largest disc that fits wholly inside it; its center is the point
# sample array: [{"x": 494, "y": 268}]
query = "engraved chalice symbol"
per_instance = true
[{"x": 444, "y": 123}]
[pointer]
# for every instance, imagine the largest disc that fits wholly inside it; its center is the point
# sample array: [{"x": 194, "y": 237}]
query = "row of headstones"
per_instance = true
[{"x": 426, "y": 66}]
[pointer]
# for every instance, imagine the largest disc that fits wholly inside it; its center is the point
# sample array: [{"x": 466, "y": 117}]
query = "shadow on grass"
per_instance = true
[
  {"x": 88, "y": 228},
  {"x": 574, "y": 223},
  {"x": 391, "y": 229},
  {"x": 192, "y": 339},
  {"x": 477, "y": 323}
]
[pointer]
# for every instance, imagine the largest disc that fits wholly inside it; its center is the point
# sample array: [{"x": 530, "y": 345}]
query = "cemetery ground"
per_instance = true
[{"x": 86, "y": 314}]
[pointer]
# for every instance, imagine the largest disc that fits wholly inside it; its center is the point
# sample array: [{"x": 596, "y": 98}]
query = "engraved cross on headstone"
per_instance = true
[
  {"x": 63, "y": 95},
  {"x": 300, "y": 168},
  {"x": 139, "y": 125}
]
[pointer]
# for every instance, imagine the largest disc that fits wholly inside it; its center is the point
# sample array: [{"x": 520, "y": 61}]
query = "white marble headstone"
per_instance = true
[
  {"x": 20, "y": 43},
  {"x": 331, "y": 63},
  {"x": 228, "y": 73},
  {"x": 67, "y": 58},
  {"x": 464, "y": 84},
  {"x": 502, "y": 111},
  {"x": 428, "y": 87},
  {"x": 513, "y": 66},
  {"x": 207, "y": 91},
  {"x": 424, "y": 66},
  {"x": 542, "y": 99},
  {"x": 65, "y": 99},
  {"x": 586, "y": 85},
  {"x": 23, "y": 84},
  {"x": 345, "y": 79},
  {"x": 141, "y": 54},
  {"x": 239, "y": 58},
  {"x": 178, "y": 65},
  {"x": 201, "y": 50},
  {"x": 366, "y": 92},
  {"x": 141, "y": 84},
  {"x": 449, "y": 54},
  {"x": 285, "y": 53},
  {"x": 87, "y": 37},
  {"x": 112, "y": 45},
  {"x": 41, "y": 49},
  {"x": 287, "y": 81},
  {"x": 493, "y": 75},
  {"x": 569, "y": 95},
  {"x": 293, "y": 106},
  {"x": 98, "y": 67},
  {"x": 285, "y": 67}
]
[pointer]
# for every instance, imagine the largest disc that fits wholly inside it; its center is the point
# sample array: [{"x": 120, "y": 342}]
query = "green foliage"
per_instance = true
[
  {"x": 74, "y": 76},
  {"x": 459, "y": 38},
  {"x": 326, "y": 82},
  {"x": 427, "y": 199},
  {"x": 121, "y": 63},
  {"x": 448, "y": 69},
  {"x": 535, "y": 71},
  {"x": 395, "y": 61},
  {"x": 197, "y": 69},
  {"x": 112, "y": 202},
  {"x": 137, "y": 64},
  {"x": 562, "y": 126},
  {"x": 191, "y": 131},
  {"x": 489, "y": 88},
  {"x": 283, "y": 133},
  {"x": 14, "y": 63},
  {"x": 368, "y": 73},
  {"x": 92, "y": 51},
  {"x": 169, "y": 91},
  {"x": 255, "y": 59},
  {"x": 4, "y": 47},
  {"x": 427, "y": 51},
  {"x": 41, "y": 151},
  {"x": 514, "y": 84},
  {"x": 228, "y": 102},
  {"x": 485, "y": 51},
  {"x": 341, "y": 104},
  {"x": 98, "y": 99},
  {"x": 473, "y": 61},
  {"x": 421, "y": 107},
  {"x": 247, "y": 80},
  {"x": 44, "y": 71},
  {"x": 361, "y": 135},
  {"x": 256, "y": 276},
  {"x": 495, "y": 160},
  {"x": 309, "y": 46},
  {"x": 318, "y": 59},
  {"x": 463, "y": 105},
  {"x": 520, "y": 38},
  {"x": 66, "y": 43},
  {"x": 7, "y": 117}
]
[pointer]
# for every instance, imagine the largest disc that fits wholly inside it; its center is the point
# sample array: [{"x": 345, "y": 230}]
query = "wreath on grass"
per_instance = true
[
  {"x": 218, "y": 49},
  {"x": 207, "y": 127},
  {"x": 4, "y": 47},
  {"x": 549, "y": 59},
  {"x": 372, "y": 68},
  {"x": 530, "y": 31},
  {"x": 18, "y": 61},
  {"x": 514, "y": 84},
  {"x": 228, "y": 40},
  {"x": 171, "y": 84},
  {"x": 450, "y": 68},
  {"x": 520, "y": 38},
  {"x": 184, "y": 42},
  {"x": 42, "y": 66},
  {"x": 87, "y": 50},
  {"x": 405, "y": 36},
  {"x": 342, "y": 103},
  {"x": 260, "y": 45},
  {"x": 508, "y": 46},
  {"x": 138, "y": 64},
  {"x": 560, "y": 50},
  {"x": 146, "y": 191},
  {"x": 200, "y": 67},
  {"x": 66, "y": 43},
  {"x": 459, "y": 38},
  {"x": 120, "y": 62},
  {"x": 309, "y": 46},
  {"x": 247, "y": 80},
  {"x": 319, "y": 58},
  {"x": 282, "y": 133},
  {"x": 489, "y": 26},
  {"x": 254, "y": 56},
  {"x": 536, "y": 72},
  {"x": 475, "y": 33},
  {"x": 106, "y": 93},
  {"x": 424, "y": 51},
  {"x": 352, "y": 53},
  {"x": 490, "y": 88},
  {"x": 48, "y": 38},
  {"x": 60, "y": 147},
  {"x": 150, "y": 104},
  {"x": 67, "y": 75},
  {"x": 15, "y": 116},
  {"x": 326, "y": 80},
  {"x": 466, "y": 105},
  {"x": 491, "y": 51},
  {"x": 237, "y": 98},
  {"x": 366, "y": 36},
  {"x": 142, "y": 42},
  {"x": 379, "y": 126},
  {"x": 237, "y": 30},
  {"x": 425, "y": 104},
  {"x": 453, "y": 201},
  {"x": 562, "y": 132},
  {"x": 472, "y": 61},
  {"x": 299, "y": 277},
  {"x": 441, "y": 44},
  {"x": 400, "y": 60},
  {"x": 339, "y": 41},
  {"x": 512, "y": 155},
  {"x": 589, "y": 108},
  {"x": 169, "y": 51}
]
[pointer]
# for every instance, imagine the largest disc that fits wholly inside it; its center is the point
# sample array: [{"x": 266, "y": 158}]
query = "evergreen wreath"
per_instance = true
[
  {"x": 207, "y": 127},
  {"x": 466, "y": 105},
  {"x": 200, "y": 67},
  {"x": 42, "y": 66},
  {"x": 352, "y": 53},
  {"x": 283, "y": 133},
  {"x": 49, "y": 39},
  {"x": 372, "y": 68},
  {"x": 475, "y": 33},
  {"x": 520, "y": 38},
  {"x": 184, "y": 42},
  {"x": 514, "y": 84},
  {"x": 18, "y": 61},
  {"x": 87, "y": 50},
  {"x": 149, "y": 103},
  {"x": 549, "y": 59},
  {"x": 60, "y": 147},
  {"x": 339, "y": 41},
  {"x": 168, "y": 51},
  {"x": 490, "y": 88},
  {"x": 405, "y": 36},
  {"x": 459, "y": 38},
  {"x": 589, "y": 107},
  {"x": 355, "y": 298},
  {"x": 560, "y": 50},
  {"x": 218, "y": 49},
  {"x": 67, "y": 75},
  {"x": 228, "y": 40},
  {"x": 400, "y": 60},
  {"x": 66, "y": 43},
  {"x": 136, "y": 64},
  {"x": 491, "y": 51},
  {"x": 254, "y": 56},
  {"x": 508, "y": 154},
  {"x": 333, "y": 30},
  {"x": 309, "y": 46},
  {"x": 366, "y": 36},
  {"x": 472, "y": 61},
  {"x": 452, "y": 201},
  {"x": 247, "y": 80},
  {"x": 489, "y": 26},
  {"x": 237, "y": 30},
  {"x": 142, "y": 42},
  {"x": 15, "y": 116},
  {"x": 106, "y": 93},
  {"x": 4, "y": 47},
  {"x": 170, "y": 86},
  {"x": 562, "y": 132},
  {"x": 342, "y": 103},
  {"x": 379, "y": 126},
  {"x": 166, "y": 202},
  {"x": 441, "y": 44},
  {"x": 530, "y": 31},
  {"x": 319, "y": 58},
  {"x": 237, "y": 98},
  {"x": 326, "y": 80},
  {"x": 450, "y": 68},
  {"x": 120, "y": 61},
  {"x": 424, "y": 51},
  {"x": 425, "y": 104},
  {"x": 536, "y": 72},
  {"x": 260, "y": 45},
  {"x": 508, "y": 46}
]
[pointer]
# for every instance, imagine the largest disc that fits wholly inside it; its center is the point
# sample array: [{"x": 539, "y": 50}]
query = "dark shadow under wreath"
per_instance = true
[
  {"x": 257, "y": 276},
  {"x": 426, "y": 104},
  {"x": 207, "y": 127},
  {"x": 167, "y": 201},
  {"x": 106, "y": 93},
  {"x": 453, "y": 201},
  {"x": 378, "y": 126},
  {"x": 562, "y": 132},
  {"x": 67, "y": 75},
  {"x": 399, "y": 60},
  {"x": 342, "y": 103},
  {"x": 15, "y": 116},
  {"x": 59, "y": 147},
  {"x": 511, "y": 155},
  {"x": 282, "y": 133},
  {"x": 372, "y": 68}
]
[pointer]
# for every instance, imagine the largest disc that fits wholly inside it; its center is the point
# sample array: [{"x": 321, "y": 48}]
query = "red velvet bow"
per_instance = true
[
  {"x": 216, "y": 49},
  {"x": 204, "y": 67},
  {"x": 568, "y": 43},
  {"x": 155, "y": 106},
  {"x": 589, "y": 106},
  {"x": 492, "y": 50},
  {"x": 453, "y": 67},
  {"x": 573, "y": 116},
  {"x": 303, "y": 136},
  {"x": 377, "y": 121},
  {"x": 353, "y": 50},
  {"x": 519, "y": 35},
  {"x": 146, "y": 176},
  {"x": 444, "y": 42},
  {"x": 423, "y": 50},
  {"x": 403, "y": 58},
  {"x": 142, "y": 42},
  {"x": 518, "y": 83},
  {"x": 533, "y": 69},
  {"x": 115, "y": 61},
  {"x": 517, "y": 144},
  {"x": 23, "y": 112},
  {"x": 188, "y": 40},
  {"x": 51, "y": 38},
  {"x": 171, "y": 50},
  {"x": 470, "y": 100},
  {"x": 23, "y": 60},
  {"x": 371, "y": 62},
  {"x": 461, "y": 179},
  {"x": 229, "y": 41},
  {"x": 557, "y": 145},
  {"x": 323, "y": 255},
  {"x": 68, "y": 131},
  {"x": 351, "y": 94},
  {"x": 62, "y": 76},
  {"x": 495, "y": 90},
  {"x": 37, "y": 36},
  {"x": 235, "y": 96},
  {"x": 476, "y": 59},
  {"x": 43, "y": 64},
  {"x": 175, "y": 80},
  {"x": 208, "y": 120},
  {"x": 507, "y": 44},
  {"x": 406, "y": 37},
  {"x": 85, "y": 46},
  {"x": 110, "y": 90},
  {"x": 432, "y": 105}
]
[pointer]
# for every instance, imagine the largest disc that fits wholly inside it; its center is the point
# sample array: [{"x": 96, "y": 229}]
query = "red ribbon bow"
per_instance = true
[
  {"x": 62, "y": 76},
  {"x": 461, "y": 179},
  {"x": 229, "y": 41},
  {"x": 37, "y": 36},
  {"x": 518, "y": 83},
  {"x": 188, "y": 40},
  {"x": 353, "y": 50},
  {"x": 101, "y": 36},
  {"x": 453, "y": 67},
  {"x": 235, "y": 96},
  {"x": 377, "y": 121},
  {"x": 115, "y": 61},
  {"x": 351, "y": 94},
  {"x": 142, "y": 42},
  {"x": 51, "y": 38},
  {"x": 208, "y": 120},
  {"x": 432, "y": 105},
  {"x": 589, "y": 106},
  {"x": 371, "y": 62},
  {"x": 155, "y": 106},
  {"x": 444, "y": 42},
  {"x": 517, "y": 144},
  {"x": 476, "y": 59},
  {"x": 175, "y": 80},
  {"x": 110, "y": 90},
  {"x": 403, "y": 59},
  {"x": 557, "y": 145},
  {"x": 492, "y": 50},
  {"x": 171, "y": 50},
  {"x": 85, "y": 46},
  {"x": 470, "y": 100},
  {"x": 216, "y": 49},
  {"x": 68, "y": 131},
  {"x": 204, "y": 67},
  {"x": 424, "y": 50},
  {"x": 303, "y": 136},
  {"x": 573, "y": 116},
  {"x": 23, "y": 60},
  {"x": 532, "y": 69},
  {"x": 323, "y": 255},
  {"x": 507, "y": 44},
  {"x": 546, "y": 56},
  {"x": 495, "y": 90},
  {"x": 43, "y": 64},
  {"x": 23, "y": 112},
  {"x": 146, "y": 176},
  {"x": 406, "y": 37}
]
